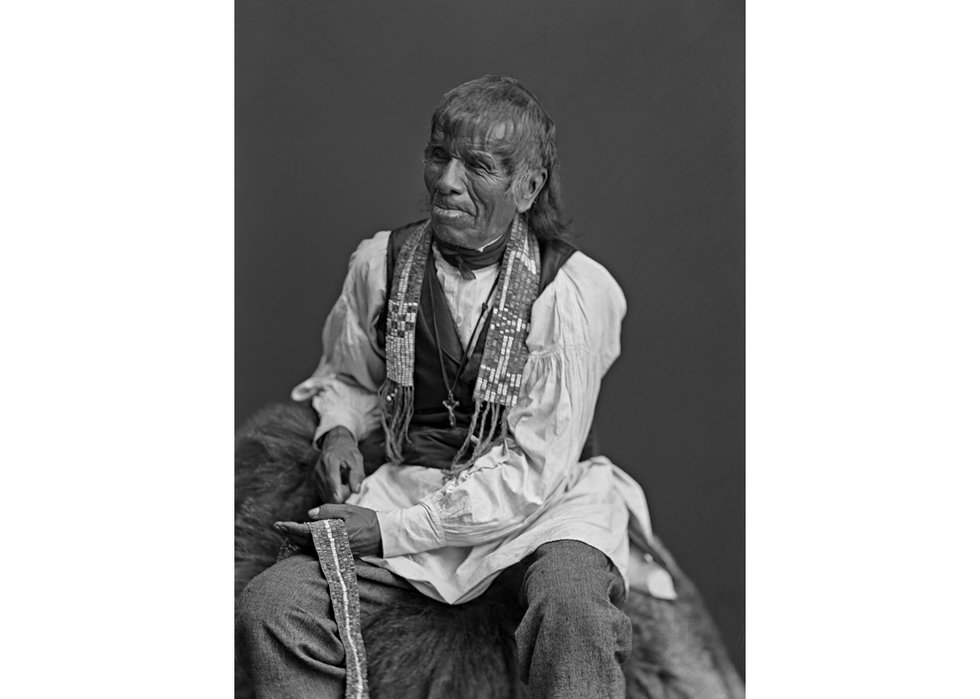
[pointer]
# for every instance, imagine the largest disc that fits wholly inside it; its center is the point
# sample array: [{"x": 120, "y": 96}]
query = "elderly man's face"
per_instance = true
[{"x": 468, "y": 188}]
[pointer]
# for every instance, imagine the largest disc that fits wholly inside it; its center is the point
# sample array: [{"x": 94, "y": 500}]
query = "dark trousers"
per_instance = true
[{"x": 571, "y": 642}]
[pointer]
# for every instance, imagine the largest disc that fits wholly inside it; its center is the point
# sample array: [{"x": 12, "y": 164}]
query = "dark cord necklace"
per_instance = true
[{"x": 451, "y": 403}]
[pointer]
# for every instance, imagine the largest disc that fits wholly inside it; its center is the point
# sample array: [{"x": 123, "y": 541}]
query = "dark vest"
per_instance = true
[{"x": 432, "y": 441}]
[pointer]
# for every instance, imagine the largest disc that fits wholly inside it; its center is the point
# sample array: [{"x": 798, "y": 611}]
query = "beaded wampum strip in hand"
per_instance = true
[
  {"x": 501, "y": 370},
  {"x": 337, "y": 564}
]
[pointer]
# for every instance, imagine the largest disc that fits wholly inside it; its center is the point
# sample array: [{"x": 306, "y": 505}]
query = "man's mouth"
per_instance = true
[{"x": 448, "y": 212}]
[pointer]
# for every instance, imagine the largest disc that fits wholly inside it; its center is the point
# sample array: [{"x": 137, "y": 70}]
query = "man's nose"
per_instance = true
[{"x": 451, "y": 176}]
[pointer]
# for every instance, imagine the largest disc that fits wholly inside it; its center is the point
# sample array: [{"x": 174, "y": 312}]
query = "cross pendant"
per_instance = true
[{"x": 451, "y": 404}]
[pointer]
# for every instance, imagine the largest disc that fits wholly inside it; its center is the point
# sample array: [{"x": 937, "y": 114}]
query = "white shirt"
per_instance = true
[
  {"x": 465, "y": 297},
  {"x": 451, "y": 540}
]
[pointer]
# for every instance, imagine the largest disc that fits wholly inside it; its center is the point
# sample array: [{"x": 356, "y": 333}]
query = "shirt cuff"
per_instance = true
[
  {"x": 321, "y": 432},
  {"x": 410, "y": 530},
  {"x": 336, "y": 416}
]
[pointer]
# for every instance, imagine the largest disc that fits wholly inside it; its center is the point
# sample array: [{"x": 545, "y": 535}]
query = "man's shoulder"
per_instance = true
[
  {"x": 400, "y": 235},
  {"x": 582, "y": 309},
  {"x": 369, "y": 248},
  {"x": 396, "y": 239},
  {"x": 367, "y": 263},
  {"x": 583, "y": 304},
  {"x": 370, "y": 261},
  {"x": 375, "y": 248},
  {"x": 589, "y": 276}
]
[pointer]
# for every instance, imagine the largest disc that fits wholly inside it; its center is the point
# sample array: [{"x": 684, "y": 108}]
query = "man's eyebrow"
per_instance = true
[
  {"x": 484, "y": 151},
  {"x": 477, "y": 154},
  {"x": 494, "y": 153}
]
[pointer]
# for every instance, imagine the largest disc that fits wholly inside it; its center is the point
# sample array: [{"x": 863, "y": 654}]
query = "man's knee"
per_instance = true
[
  {"x": 571, "y": 572},
  {"x": 258, "y": 602},
  {"x": 276, "y": 597},
  {"x": 286, "y": 636},
  {"x": 576, "y": 583}
]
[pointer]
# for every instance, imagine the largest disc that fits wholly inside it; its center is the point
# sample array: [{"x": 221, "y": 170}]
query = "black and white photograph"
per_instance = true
[{"x": 490, "y": 350}]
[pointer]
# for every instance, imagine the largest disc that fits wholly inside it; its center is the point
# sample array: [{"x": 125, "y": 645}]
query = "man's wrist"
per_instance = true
[{"x": 334, "y": 436}]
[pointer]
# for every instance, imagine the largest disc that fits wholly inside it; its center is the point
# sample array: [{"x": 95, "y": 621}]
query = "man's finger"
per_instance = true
[
  {"x": 328, "y": 512},
  {"x": 336, "y": 483},
  {"x": 356, "y": 475},
  {"x": 320, "y": 481},
  {"x": 299, "y": 533}
]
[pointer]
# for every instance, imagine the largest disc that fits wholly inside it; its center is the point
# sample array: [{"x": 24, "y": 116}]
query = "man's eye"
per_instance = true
[
  {"x": 480, "y": 166},
  {"x": 436, "y": 154}
]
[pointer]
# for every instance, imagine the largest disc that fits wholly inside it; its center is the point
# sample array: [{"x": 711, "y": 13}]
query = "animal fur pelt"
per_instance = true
[
  {"x": 274, "y": 459},
  {"x": 425, "y": 649}
]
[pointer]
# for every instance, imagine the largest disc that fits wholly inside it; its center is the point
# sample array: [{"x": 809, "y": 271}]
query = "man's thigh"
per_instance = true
[{"x": 296, "y": 585}]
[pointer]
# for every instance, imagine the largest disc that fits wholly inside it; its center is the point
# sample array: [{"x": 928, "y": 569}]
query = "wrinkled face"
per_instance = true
[{"x": 468, "y": 186}]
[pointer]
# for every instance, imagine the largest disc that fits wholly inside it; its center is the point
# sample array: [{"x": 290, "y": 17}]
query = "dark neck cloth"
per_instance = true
[{"x": 468, "y": 259}]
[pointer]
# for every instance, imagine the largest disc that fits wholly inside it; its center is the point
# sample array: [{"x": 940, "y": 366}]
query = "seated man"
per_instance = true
[{"x": 477, "y": 340}]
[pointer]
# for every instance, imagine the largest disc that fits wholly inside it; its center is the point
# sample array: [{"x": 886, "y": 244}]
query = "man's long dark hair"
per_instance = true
[{"x": 472, "y": 109}]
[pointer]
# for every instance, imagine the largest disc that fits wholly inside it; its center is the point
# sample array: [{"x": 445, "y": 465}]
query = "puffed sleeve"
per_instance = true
[
  {"x": 344, "y": 387},
  {"x": 573, "y": 340}
]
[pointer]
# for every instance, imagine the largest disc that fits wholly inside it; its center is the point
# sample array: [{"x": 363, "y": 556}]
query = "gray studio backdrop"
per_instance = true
[{"x": 332, "y": 106}]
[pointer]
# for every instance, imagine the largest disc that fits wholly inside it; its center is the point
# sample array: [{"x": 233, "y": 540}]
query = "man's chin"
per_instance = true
[{"x": 457, "y": 235}]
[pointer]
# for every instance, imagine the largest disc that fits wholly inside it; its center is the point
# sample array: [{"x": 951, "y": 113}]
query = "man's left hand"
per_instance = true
[{"x": 363, "y": 529}]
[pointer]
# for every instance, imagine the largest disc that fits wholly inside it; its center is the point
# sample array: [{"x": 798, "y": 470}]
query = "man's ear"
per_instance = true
[{"x": 529, "y": 190}]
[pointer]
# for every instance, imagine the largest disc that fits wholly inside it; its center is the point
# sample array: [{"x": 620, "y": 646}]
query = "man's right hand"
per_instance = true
[{"x": 340, "y": 469}]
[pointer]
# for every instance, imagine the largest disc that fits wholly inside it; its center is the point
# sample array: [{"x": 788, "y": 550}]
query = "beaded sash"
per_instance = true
[{"x": 501, "y": 370}]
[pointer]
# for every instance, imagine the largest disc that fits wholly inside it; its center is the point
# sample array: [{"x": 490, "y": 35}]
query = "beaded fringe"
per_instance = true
[
  {"x": 499, "y": 377},
  {"x": 489, "y": 416},
  {"x": 399, "y": 406}
]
